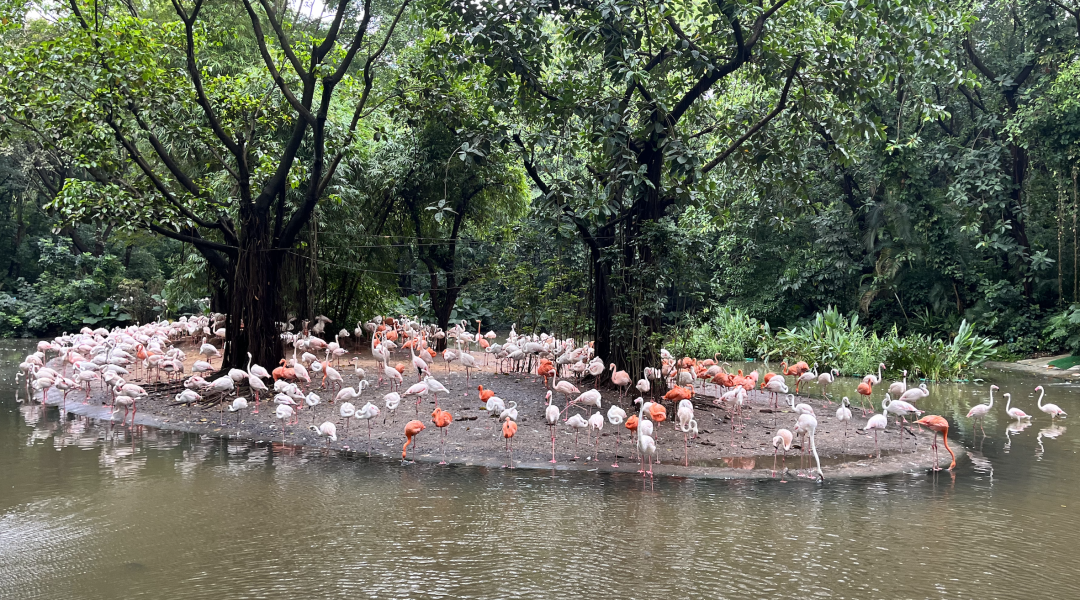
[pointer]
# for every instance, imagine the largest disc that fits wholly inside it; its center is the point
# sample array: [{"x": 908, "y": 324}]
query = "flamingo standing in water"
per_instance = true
[
  {"x": 979, "y": 411},
  {"x": 897, "y": 388},
  {"x": 509, "y": 428},
  {"x": 412, "y": 429},
  {"x": 783, "y": 438},
  {"x": 327, "y": 430},
  {"x": 442, "y": 419},
  {"x": 826, "y": 379},
  {"x": 1051, "y": 409},
  {"x": 938, "y": 425},
  {"x": 807, "y": 426},
  {"x": 877, "y": 423},
  {"x": 1013, "y": 412},
  {"x": 283, "y": 413}
]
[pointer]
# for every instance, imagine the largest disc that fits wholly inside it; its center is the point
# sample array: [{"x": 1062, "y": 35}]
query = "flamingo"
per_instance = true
[
  {"x": 421, "y": 366},
  {"x": 621, "y": 379},
  {"x": 807, "y": 426},
  {"x": 1051, "y": 409},
  {"x": 806, "y": 377},
  {"x": 914, "y": 394},
  {"x": 643, "y": 386},
  {"x": 877, "y": 422},
  {"x": 510, "y": 411},
  {"x": 979, "y": 411},
  {"x": 900, "y": 408},
  {"x": 392, "y": 400},
  {"x": 469, "y": 362},
  {"x": 577, "y": 423},
  {"x": 938, "y": 425},
  {"x": 782, "y": 438},
  {"x": 1013, "y": 412},
  {"x": 596, "y": 423},
  {"x": 257, "y": 385},
  {"x": 510, "y": 428},
  {"x": 826, "y": 379},
  {"x": 367, "y": 413},
  {"x": 412, "y": 429},
  {"x": 776, "y": 385},
  {"x": 566, "y": 388},
  {"x": 347, "y": 410},
  {"x": 392, "y": 375},
  {"x": 865, "y": 389},
  {"x": 327, "y": 430},
  {"x": 312, "y": 400},
  {"x": 442, "y": 419},
  {"x": 551, "y": 415},
  {"x": 207, "y": 350},
  {"x": 897, "y": 388},
  {"x": 687, "y": 423},
  {"x": 436, "y": 388},
  {"x": 283, "y": 412},
  {"x": 237, "y": 406},
  {"x": 646, "y": 445},
  {"x": 800, "y": 408},
  {"x": 615, "y": 416},
  {"x": 588, "y": 398},
  {"x": 843, "y": 415},
  {"x": 419, "y": 390}
]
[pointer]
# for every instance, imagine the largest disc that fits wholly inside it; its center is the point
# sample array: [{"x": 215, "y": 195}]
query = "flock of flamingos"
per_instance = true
[{"x": 110, "y": 357}]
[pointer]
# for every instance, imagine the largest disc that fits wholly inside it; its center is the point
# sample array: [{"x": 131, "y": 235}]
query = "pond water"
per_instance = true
[{"x": 91, "y": 510}]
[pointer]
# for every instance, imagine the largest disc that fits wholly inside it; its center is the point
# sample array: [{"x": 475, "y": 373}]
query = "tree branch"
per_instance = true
[{"x": 757, "y": 126}]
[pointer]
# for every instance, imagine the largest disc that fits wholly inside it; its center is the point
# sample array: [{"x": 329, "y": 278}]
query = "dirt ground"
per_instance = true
[{"x": 475, "y": 436}]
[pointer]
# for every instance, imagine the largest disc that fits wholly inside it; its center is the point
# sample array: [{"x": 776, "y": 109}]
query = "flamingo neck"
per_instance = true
[{"x": 1039, "y": 402}]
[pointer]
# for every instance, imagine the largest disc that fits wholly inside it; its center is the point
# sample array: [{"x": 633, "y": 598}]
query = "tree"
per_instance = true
[
  {"x": 231, "y": 156},
  {"x": 629, "y": 109}
]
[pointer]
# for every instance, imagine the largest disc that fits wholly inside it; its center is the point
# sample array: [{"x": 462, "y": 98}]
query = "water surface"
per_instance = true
[{"x": 90, "y": 510}]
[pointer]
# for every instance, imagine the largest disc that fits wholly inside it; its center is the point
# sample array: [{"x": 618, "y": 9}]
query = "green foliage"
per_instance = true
[
  {"x": 728, "y": 334},
  {"x": 1063, "y": 329}
]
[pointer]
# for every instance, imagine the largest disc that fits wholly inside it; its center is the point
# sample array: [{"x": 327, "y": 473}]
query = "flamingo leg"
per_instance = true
[{"x": 615, "y": 462}]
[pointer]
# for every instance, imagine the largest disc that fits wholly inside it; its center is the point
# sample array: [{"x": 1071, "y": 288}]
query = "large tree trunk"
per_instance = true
[{"x": 254, "y": 295}]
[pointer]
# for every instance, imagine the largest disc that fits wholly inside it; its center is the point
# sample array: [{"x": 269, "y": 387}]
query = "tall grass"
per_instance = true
[{"x": 831, "y": 340}]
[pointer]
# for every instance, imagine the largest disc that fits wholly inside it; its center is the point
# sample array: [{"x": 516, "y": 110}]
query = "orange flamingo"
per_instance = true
[
  {"x": 545, "y": 370},
  {"x": 485, "y": 395},
  {"x": 509, "y": 429},
  {"x": 411, "y": 429},
  {"x": 442, "y": 418},
  {"x": 678, "y": 393},
  {"x": 632, "y": 425},
  {"x": 938, "y": 425},
  {"x": 865, "y": 389}
]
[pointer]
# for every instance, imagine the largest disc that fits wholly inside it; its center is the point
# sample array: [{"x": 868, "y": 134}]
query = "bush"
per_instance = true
[
  {"x": 1063, "y": 329},
  {"x": 731, "y": 334}
]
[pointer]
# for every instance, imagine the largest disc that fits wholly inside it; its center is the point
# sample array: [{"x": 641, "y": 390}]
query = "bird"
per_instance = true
[
  {"x": 776, "y": 385},
  {"x": 435, "y": 387},
  {"x": 419, "y": 390},
  {"x": 800, "y": 408},
  {"x": 442, "y": 419},
  {"x": 615, "y": 416},
  {"x": 865, "y": 389},
  {"x": 238, "y": 405},
  {"x": 510, "y": 428},
  {"x": 257, "y": 385},
  {"x": 347, "y": 410},
  {"x": 485, "y": 395},
  {"x": 551, "y": 415},
  {"x": 1013, "y": 412},
  {"x": 900, "y": 409},
  {"x": 897, "y": 388},
  {"x": 469, "y": 362},
  {"x": 283, "y": 413},
  {"x": 979, "y": 411},
  {"x": 588, "y": 398},
  {"x": 1051, "y": 409},
  {"x": 938, "y": 425},
  {"x": 687, "y": 423},
  {"x": 783, "y": 438},
  {"x": 826, "y": 379},
  {"x": 643, "y": 386},
  {"x": 368, "y": 413},
  {"x": 412, "y": 428},
  {"x": 807, "y": 426},
  {"x": 620, "y": 379},
  {"x": 877, "y": 422},
  {"x": 567, "y": 389},
  {"x": 646, "y": 445},
  {"x": 914, "y": 394},
  {"x": 327, "y": 430},
  {"x": 312, "y": 400},
  {"x": 596, "y": 423},
  {"x": 392, "y": 400},
  {"x": 806, "y": 377},
  {"x": 577, "y": 423},
  {"x": 843, "y": 415},
  {"x": 510, "y": 411}
]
